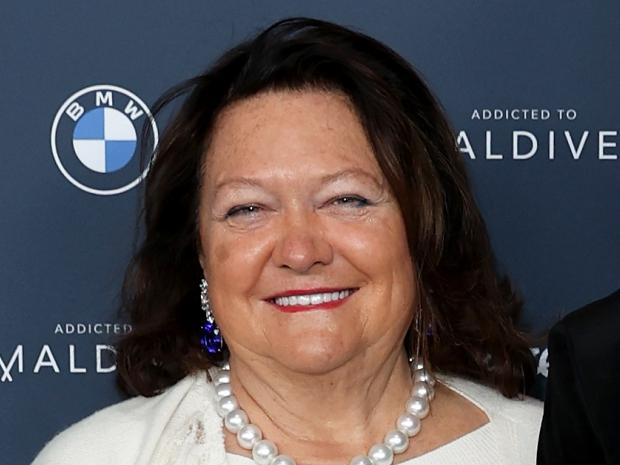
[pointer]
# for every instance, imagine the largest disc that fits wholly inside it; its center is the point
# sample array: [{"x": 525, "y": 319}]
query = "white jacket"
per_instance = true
[{"x": 181, "y": 427}]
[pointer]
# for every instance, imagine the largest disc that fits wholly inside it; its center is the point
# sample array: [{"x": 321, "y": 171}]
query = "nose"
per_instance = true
[{"x": 302, "y": 243}]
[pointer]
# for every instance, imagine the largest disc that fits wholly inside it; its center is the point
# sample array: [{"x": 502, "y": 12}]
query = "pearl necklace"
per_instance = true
[{"x": 265, "y": 452}]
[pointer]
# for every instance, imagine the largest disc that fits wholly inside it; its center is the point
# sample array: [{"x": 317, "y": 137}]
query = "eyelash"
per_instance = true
[
  {"x": 241, "y": 208},
  {"x": 245, "y": 209},
  {"x": 361, "y": 201}
]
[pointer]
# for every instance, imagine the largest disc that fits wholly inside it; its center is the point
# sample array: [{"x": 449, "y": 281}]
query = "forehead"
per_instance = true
[{"x": 288, "y": 133}]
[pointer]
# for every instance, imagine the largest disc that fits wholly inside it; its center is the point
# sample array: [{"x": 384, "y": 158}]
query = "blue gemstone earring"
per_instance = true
[{"x": 211, "y": 339}]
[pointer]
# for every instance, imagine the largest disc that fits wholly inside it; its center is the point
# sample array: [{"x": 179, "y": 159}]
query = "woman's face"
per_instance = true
[{"x": 293, "y": 202}]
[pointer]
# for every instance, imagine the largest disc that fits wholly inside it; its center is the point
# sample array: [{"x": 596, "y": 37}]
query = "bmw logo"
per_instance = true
[{"x": 95, "y": 139}]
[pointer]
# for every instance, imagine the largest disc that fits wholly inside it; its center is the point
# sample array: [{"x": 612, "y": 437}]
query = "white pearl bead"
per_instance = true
[
  {"x": 226, "y": 404},
  {"x": 263, "y": 452},
  {"x": 249, "y": 435},
  {"x": 424, "y": 376},
  {"x": 223, "y": 390},
  {"x": 380, "y": 454},
  {"x": 418, "y": 406},
  {"x": 235, "y": 420},
  {"x": 397, "y": 440},
  {"x": 283, "y": 460},
  {"x": 408, "y": 424},
  {"x": 221, "y": 376},
  {"x": 361, "y": 460},
  {"x": 422, "y": 389}
]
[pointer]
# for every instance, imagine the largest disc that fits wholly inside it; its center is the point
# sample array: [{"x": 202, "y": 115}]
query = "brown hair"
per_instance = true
[{"x": 468, "y": 308}]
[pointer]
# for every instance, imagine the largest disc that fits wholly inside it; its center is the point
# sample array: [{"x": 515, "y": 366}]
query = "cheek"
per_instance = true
[
  {"x": 233, "y": 267},
  {"x": 222, "y": 254},
  {"x": 379, "y": 250},
  {"x": 233, "y": 261},
  {"x": 379, "y": 244}
]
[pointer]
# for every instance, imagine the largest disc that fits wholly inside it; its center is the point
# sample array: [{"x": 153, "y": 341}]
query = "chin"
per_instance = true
[{"x": 312, "y": 355}]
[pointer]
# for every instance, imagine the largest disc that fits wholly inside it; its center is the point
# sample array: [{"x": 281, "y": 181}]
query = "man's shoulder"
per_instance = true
[
  {"x": 591, "y": 316},
  {"x": 114, "y": 434},
  {"x": 593, "y": 328}
]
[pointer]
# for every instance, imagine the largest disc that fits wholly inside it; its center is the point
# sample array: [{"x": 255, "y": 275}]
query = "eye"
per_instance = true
[
  {"x": 242, "y": 210},
  {"x": 351, "y": 200}
]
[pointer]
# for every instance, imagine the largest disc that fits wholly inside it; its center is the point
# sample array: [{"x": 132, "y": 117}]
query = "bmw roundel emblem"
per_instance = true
[{"x": 95, "y": 139}]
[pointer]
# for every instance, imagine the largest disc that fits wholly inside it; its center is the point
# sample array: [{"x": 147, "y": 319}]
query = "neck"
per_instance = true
[{"x": 326, "y": 418}]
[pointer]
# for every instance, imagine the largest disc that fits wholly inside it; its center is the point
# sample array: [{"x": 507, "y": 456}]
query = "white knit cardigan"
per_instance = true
[{"x": 181, "y": 427}]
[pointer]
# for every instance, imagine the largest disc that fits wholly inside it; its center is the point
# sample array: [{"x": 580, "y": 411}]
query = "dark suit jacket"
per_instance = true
[{"x": 581, "y": 422}]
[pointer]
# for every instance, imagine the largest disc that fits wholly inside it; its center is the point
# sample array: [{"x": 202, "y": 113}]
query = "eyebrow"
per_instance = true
[
  {"x": 350, "y": 172},
  {"x": 326, "y": 179}
]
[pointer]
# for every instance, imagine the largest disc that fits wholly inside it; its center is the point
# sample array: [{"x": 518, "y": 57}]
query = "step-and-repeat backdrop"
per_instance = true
[{"x": 530, "y": 87}]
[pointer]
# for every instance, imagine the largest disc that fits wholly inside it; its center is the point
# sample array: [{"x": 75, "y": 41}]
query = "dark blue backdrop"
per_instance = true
[{"x": 554, "y": 220}]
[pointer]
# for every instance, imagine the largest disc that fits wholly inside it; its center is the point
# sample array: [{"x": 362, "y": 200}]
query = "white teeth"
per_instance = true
[{"x": 312, "y": 299}]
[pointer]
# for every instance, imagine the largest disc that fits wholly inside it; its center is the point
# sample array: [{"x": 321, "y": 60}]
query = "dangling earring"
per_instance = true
[
  {"x": 420, "y": 371},
  {"x": 211, "y": 339},
  {"x": 415, "y": 356}
]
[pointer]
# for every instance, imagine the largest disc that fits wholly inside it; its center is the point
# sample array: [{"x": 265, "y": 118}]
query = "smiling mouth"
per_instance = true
[{"x": 322, "y": 300}]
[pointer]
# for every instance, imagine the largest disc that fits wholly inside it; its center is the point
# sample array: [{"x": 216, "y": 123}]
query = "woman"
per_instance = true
[{"x": 311, "y": 184}]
